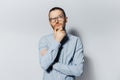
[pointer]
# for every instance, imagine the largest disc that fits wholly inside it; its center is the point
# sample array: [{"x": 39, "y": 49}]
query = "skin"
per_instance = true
[{"x": 58, "y": 27}]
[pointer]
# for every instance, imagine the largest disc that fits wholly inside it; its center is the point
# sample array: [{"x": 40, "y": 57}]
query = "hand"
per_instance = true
[
  {"x": 59, "y": 34},
  {"x": 43, "y": 52}
]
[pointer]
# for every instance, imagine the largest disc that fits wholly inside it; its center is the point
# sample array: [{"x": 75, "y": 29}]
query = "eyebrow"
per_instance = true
[{"x": 56, "y": 16}]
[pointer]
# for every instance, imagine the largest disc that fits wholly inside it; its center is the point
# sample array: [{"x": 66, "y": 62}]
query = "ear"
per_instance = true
[{"x": 66, "y": 19}]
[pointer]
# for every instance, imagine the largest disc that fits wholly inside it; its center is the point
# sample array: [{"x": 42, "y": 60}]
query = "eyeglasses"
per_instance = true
[{"x": 60, "y": 17}]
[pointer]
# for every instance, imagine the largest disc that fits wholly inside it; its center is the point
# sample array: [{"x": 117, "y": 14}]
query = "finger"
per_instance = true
[
  {"x": 55, "y": 29},
  {"x": 61, "y": 29},
  {"x": 58, "y": 29},
  {"x": 63, "y": 32}
]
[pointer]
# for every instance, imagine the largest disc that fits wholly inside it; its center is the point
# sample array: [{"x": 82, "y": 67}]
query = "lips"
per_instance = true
[{"x": 58, "y": 25}]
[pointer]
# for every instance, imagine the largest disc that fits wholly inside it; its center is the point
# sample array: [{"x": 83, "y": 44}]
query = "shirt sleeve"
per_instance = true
[
  {"x": 51, "y": 54},
  {"x": 76, "y": 68}
]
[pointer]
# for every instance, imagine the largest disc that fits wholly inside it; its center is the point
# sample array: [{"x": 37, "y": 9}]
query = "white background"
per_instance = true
[{"x": 24, "y": 22}]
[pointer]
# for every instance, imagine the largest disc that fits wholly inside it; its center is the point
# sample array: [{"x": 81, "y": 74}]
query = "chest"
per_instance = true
[{"x": 67, "y": 53}]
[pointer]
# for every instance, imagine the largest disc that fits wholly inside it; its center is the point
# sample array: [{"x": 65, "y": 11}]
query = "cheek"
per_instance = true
[
  {"x": 51, "y": 24},
  {"x": 62, "y": 22}
]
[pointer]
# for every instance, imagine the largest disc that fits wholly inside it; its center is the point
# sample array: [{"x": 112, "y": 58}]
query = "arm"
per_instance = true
[
  {"x": 47, "y": 55},
  {"x": 76, "y": 68}
]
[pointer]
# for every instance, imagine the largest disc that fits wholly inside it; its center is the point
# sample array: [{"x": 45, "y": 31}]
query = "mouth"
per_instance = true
[{"x": 58, "y": 25}]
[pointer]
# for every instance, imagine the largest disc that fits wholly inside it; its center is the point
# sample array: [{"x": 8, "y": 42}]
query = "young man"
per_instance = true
[{"x": 61, "y": 54}]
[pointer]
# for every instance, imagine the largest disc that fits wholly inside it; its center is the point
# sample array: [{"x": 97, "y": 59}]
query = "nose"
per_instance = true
[{"x": 56, "y": 20}]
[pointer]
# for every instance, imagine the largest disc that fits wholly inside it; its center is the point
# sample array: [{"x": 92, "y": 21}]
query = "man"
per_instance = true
[{"x": 61, "y": 54}]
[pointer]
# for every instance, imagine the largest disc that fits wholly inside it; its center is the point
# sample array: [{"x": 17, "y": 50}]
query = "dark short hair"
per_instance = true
[{"x": 57, "y": 8}]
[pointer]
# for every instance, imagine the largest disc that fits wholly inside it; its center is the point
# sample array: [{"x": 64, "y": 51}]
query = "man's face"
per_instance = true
[{"x": 57, "y": 19}]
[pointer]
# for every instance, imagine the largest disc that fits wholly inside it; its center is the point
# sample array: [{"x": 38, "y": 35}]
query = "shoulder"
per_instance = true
[
  {"x": 73, "y": 37},
  {"x": 45, "y": 38}
]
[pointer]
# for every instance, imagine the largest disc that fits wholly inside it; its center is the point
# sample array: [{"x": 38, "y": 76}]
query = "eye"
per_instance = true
[{"x": 61, "y": 16}]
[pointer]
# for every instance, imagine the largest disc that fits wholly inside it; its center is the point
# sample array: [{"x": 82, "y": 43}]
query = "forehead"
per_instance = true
[{"x": 55, "y": 13}]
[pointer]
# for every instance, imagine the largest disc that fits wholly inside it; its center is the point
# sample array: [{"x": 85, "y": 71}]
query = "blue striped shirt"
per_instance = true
[{"x": 63, "y": 61}]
